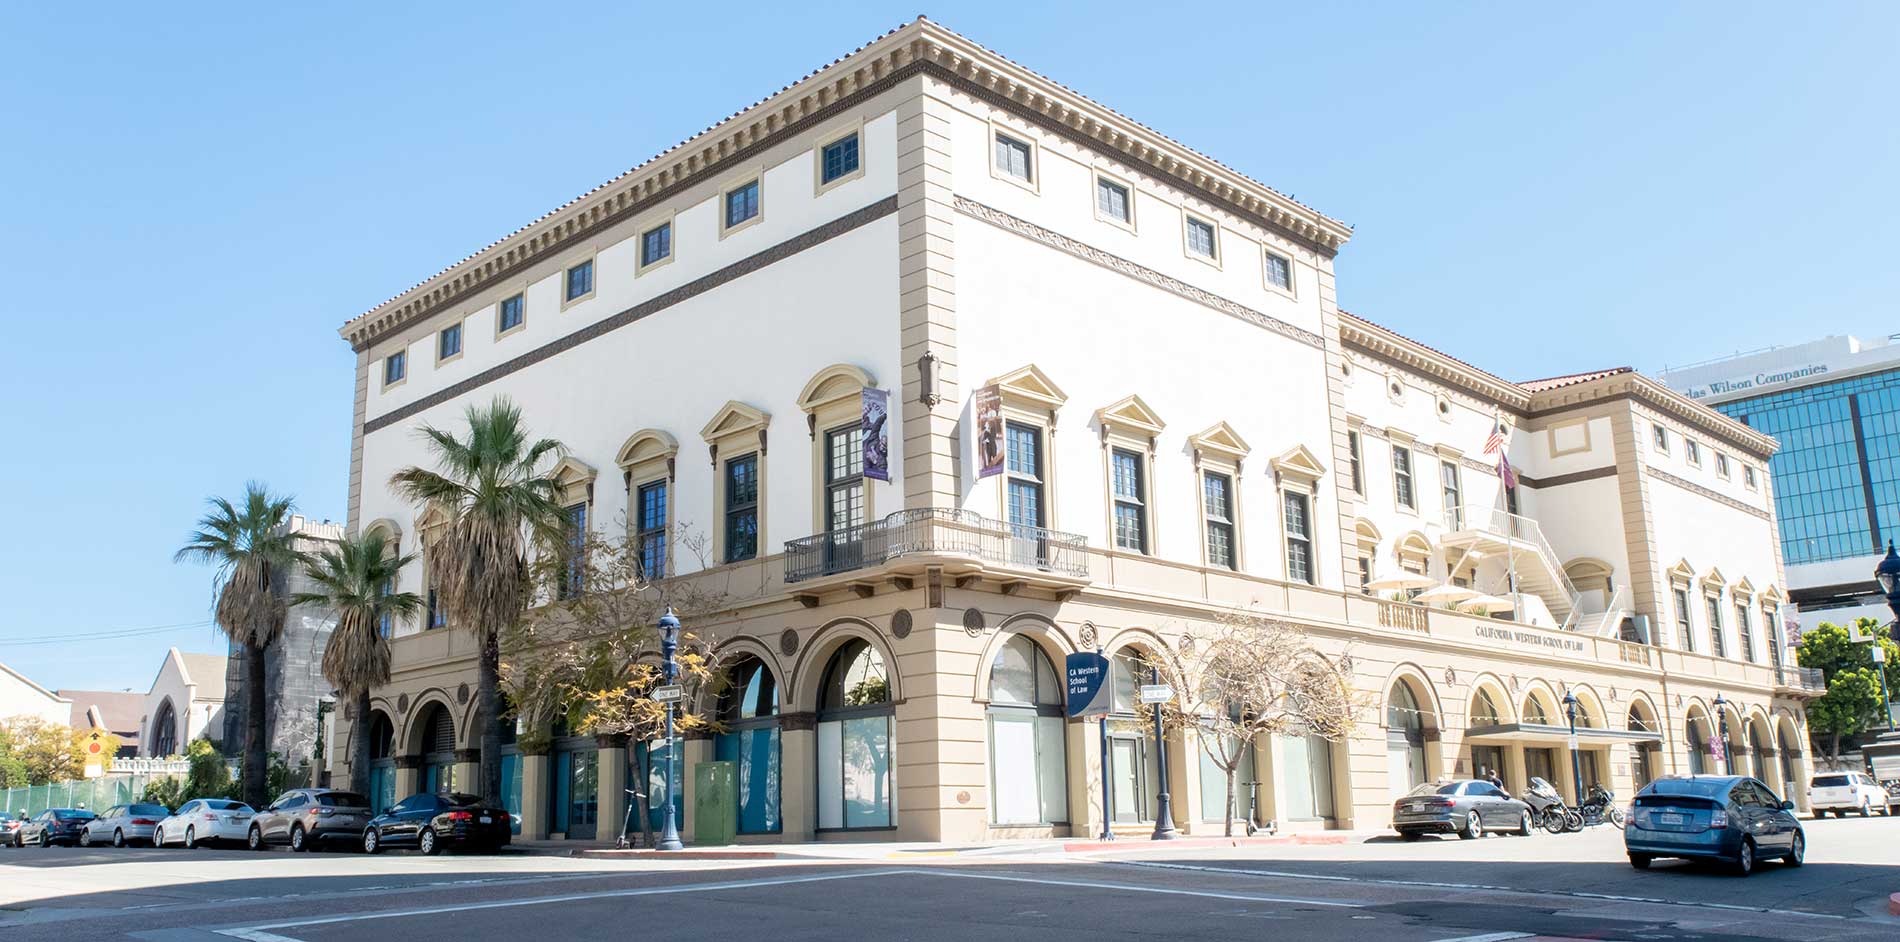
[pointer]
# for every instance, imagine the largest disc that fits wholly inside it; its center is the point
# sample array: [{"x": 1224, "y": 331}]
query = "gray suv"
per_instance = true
[{"x": 307, "y": 817}]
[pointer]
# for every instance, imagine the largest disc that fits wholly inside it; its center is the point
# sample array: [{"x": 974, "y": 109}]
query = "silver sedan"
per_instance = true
[
  {"x": 1467, "y": 808},
  {"x": 122, "y": 823}
]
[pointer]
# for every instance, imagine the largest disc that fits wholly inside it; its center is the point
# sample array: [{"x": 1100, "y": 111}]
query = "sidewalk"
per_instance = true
[{"x": 895, "y": 850}]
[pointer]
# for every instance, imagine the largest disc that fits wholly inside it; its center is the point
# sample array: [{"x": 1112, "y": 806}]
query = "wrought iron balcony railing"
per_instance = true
[
  {"x": 932, "y": 531},
  {"x": 1809, "y": 679}
]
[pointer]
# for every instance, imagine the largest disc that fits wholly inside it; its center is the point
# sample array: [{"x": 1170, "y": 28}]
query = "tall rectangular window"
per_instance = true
[
  {"x": 1452, "y": 493},
  {"x": 449, "y": 342},
  {"x": 656, "y": 244},
  {"x": 838, "y": 158},
  {"x": 1200, "y": 238},
  {"x": 438, "y": 616},
  {"x": 1402, "y": 477},
  {"x": 1279, "y": 271},
  {"x": 1111, "y": 200},
  {"x": 1353, "y": 461},
  {"x": 1023, "y": 468},
  {"x": 1299, "y": 537},
  {"x": 844, "y": 478},
  {"x": 742, "y": 508},
  {"x": 580, "y": 280},
  {"x": 742, "y": 203},
  {"x": 511, "y": 315},
  {"x": 1684, "y": 630},
  {"x": 1771, "y": 629},
  {"x": 1129, "y": 492},
  {"x": 574, "y": 572},
  {"x": 395, "y": 367},
  {"x": 1012, "y": 158},
  {"x": 1742, "y": 631},
  {"x": 1365, "y": 571},
  {"x": 1721, "y": 465},
  {"x": 1717, "y": 646},
  {"x": 1693, "y": 450},
  {"x": 650, "y": 529},
  {"x": 385, "y": 622},
  {"x": 1217, "y": 502},
  {"x": 1661, "y": 437}
]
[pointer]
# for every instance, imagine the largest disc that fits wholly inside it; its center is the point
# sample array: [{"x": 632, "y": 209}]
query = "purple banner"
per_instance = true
[
  {"x": 989, "y": 431},
  {"x": 877, "y": 436}
]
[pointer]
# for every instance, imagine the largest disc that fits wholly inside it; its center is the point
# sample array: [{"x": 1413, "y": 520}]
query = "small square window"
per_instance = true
[
  {"x": 1279, "y": 272},
  {"x": 838, "y": 159},
  {"x": 513, "y": 314},
  {"x": 1111, "y": 201},
  {"x": 1748, "y": 476},
  {"x": 448, "y": 344},
  {"x": 1721, "y": 465},
  {"x": 1200, "y": 238},
  {"x": 1661, "y": 438},
  {"x": 1013, "y": 158},
  {"x": 656, "y": 245},
  {"x": 1692, "y": 451},
  {"x": 742, "y": 204},
  {"x": 395, "y": 368},
  {"x": 580, "y": 280}
]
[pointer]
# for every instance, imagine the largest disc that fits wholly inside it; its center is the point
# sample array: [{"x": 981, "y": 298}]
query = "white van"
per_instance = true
[{"x": 1841, "y": 792}]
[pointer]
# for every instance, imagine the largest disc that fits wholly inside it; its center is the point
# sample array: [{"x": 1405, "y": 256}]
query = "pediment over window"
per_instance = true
[
  {"x": 1773, "y": 594},
  {"x": 1130, "y": 415},
  {"x": 834, "y": 383},
  {"x": 1744, "y": 587},
  {"x": 1029, "y": 384},
  {"x": 1414, "y": 544},
  {"x": 1298, "y": 464},
  {"x": 1366, "y": 531},
  {"x": 1714, "y": 579},
  {"x": 646, "y": 445},
  {"x": 1221, "y": 441},
  {"x": 733, "y": 418},
  {"x": 1682, "y": 571},
  {"x": 572, "y": 471},
  {"x": 432, "y": 519}
]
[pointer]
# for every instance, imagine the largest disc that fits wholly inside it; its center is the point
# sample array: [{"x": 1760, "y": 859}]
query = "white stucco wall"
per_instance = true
[{"x": 20, "y": 696}]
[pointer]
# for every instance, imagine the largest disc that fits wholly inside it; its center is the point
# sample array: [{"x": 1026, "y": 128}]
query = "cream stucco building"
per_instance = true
[{"x": 1145, "y": 347}]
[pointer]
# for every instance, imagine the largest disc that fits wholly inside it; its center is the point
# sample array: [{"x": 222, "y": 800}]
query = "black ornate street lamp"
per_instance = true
[
  {"x": 1887, "y": 576},
  {"x": 669, "y": 644},
  {"x": 1164, "y": 815},
  {"x": 1721, "y": 719},
  {"x": 1576, "y": 770}
]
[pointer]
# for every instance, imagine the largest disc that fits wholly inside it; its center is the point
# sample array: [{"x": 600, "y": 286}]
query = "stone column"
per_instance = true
[
  {"x": 798, "y": 775},
  {"x": 1082, "y": 739},
  {"x": 612, "y": 786},
  {"x": 408, "y": 776},
  {"x": 534, "y": 796},
  {"x": 468, "y": 771}
]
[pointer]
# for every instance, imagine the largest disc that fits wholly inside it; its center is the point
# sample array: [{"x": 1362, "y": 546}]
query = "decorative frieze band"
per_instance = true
[{"x": 1713, "y": 495}]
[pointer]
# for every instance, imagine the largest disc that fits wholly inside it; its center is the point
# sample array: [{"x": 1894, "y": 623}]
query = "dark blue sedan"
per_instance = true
[
  {"x": 430, "y": 822},
  {"x": 1729, "y": 818}
]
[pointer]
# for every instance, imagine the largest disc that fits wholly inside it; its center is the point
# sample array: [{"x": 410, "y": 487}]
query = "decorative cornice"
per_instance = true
[
  {"x": 1716, "y": 496},
  {"x": 1662, "y": 399},
  {"x": 1116, "y": 263},
  {"x": 1574, "y": 477},
  {"x": 1383, "y": 344},
  {"x": 917, "y": 47}
]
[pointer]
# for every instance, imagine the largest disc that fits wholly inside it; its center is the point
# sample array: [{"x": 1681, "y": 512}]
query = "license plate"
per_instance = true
[
  {"x": 1671, "y": 819},
  {"x": 487, "y": 820}
]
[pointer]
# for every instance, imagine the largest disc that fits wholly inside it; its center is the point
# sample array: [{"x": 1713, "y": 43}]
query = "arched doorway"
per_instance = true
[
  {"x": 382, "y": 762},
  {"x": 164, "y": 731},
  {"x": 1644, "y": 764},
  {"x": 1794, "y": 780},
  {"x": 855, "y": 733},
  {"x": 1028, "y": 734},
  {"x": 749, "y": 711},
  {"x": 1696, "y": 738},
  {"x": 1540, "y": 709},
  {"x": 1763, "y": 756},
  {"x": 1486, "y": 710},
  {"x": 1405, "y": 725},
  {"x": 574, "y": 768},
  {"x": 1133, "y": 776},
  {"x": 435, "y": 742}
]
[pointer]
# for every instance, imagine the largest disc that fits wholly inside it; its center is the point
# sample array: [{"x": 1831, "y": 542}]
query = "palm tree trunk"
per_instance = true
[
  {"x": 359, "y": 744},
  {"x": 256, "y": 725},
  {"x": 489, "y": 719}
]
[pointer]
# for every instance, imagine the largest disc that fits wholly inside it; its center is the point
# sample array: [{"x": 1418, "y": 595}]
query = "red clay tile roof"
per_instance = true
[
  {"x": 1377, "y": 326},
  {"x": 1558, "y": 382}
]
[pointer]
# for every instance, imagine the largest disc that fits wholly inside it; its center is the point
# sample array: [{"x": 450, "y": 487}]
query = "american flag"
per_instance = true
[{"x": 1497, "y": 444}]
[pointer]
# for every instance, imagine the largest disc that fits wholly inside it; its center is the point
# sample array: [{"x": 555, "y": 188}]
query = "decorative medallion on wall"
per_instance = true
[
  {"x": 788, "y": 642},
  {"x": 1088, "y": 635},
  {"x": 402, "y": 704},
  {"x": 972, "y": 622},
  {"x": 900, "y": 623},
  {"x": 1451, "y": 676},
  {"x": 1678, "y": 701},
  {"x": 1186, "y": 644},
  {"x": 1513, "y": 683},
  {"x": 963, "y": 798},
  {"x": 1612, "y": 694},
  {"x": 461, "y": 694},
  {"x": 1345, "y": 665}
]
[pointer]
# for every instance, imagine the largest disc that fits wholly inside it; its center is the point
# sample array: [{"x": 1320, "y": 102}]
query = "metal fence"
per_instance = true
[
  {"x": 93, "y": 794},
  {"x": 934, "y": 531}
]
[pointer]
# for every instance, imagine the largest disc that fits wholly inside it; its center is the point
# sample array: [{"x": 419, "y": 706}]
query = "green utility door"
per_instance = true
[{"x": 715, "y": 803}]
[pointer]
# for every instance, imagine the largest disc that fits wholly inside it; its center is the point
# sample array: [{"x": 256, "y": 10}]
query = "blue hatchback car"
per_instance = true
[{"x": 1731, "y": 818}]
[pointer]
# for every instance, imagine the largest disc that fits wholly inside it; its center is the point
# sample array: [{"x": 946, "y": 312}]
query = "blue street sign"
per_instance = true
[{"x": 1089, "y": 691}]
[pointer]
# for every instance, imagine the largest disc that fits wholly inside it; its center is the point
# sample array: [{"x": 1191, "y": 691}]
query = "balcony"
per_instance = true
[
  {"x": 1527, "y": 556},
  {"x": 956, "y": 540},
  {"x": 1805, "y": 681}
]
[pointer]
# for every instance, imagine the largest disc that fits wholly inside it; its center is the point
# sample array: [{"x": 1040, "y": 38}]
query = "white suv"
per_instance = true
[{"x": 1841, "y": 792}]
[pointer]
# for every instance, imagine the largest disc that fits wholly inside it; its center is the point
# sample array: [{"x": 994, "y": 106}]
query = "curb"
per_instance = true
[
  {"x": 1893, "y": 905},
  {"x": 680, "y": 855},
  {"x": 1133, "y": 844}
]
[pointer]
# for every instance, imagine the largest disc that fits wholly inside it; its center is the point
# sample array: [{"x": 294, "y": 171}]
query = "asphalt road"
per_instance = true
[{"x": 1573, "y": 886}]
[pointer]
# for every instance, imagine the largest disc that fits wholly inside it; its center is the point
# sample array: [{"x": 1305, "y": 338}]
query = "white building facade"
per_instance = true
[
  {"x": 1122, "y": 401},
  {"x": 185, "y": 702}
]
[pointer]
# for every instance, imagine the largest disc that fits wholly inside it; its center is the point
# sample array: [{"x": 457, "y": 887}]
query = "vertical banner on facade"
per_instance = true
[
  {"x": 877, "y": 436},
  {"x": 989, "y": 431}
]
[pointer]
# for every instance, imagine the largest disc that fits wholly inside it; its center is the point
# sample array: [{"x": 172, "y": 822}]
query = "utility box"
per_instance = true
[{"x": 715, "y": 803}]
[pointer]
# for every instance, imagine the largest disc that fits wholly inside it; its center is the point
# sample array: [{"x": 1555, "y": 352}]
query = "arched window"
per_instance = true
[
  {"x": 574, "y": 770},
  {"x": 1405, "y": 740},
  {"x": 855, "y": 730},
  {"x": 1134, "y": 778},
  {"x": 382, "y": 762},
  {"x": 1028, "y": 752},
  {"x": 748, "y": 710},
  {"x": 437, "y": 746},
  {"x": 1698, "y": 739},
  {"x": 165, "y": 731},
  {"x": 1484, "y": 710},
  {"x": 1534, "y": 712}
]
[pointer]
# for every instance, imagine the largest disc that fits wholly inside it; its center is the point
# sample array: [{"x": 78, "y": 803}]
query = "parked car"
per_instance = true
[
  {"x": 121, "y": 823},
  {"x": 9, "y": 827},
  {"x": 431, "y": 822},
  {"x": 202, "y": 820},
  {"x": 1729, "y": 818},
  {"x": 1841, "y": 792},
  {"x": 53, "y": 826},
  {"x": 1467, "y": 807},
  {"x": 307, "y": 817}
]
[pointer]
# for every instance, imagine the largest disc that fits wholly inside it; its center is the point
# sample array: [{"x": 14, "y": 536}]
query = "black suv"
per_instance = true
[{"x": 307, "y": 817}]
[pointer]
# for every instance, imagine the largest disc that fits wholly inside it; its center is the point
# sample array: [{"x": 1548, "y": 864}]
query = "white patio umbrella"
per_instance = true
[
  {"x": 1401, "y": 580},
  {"x": 1447, "y": 594},
  {"x": 1486, "y": 604}
]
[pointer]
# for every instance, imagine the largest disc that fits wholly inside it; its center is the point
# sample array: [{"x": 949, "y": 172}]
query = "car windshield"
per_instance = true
[
  {"x": 342, "y": 800},
  {"x": 1449, "y": 788},
  {"x": 1703, "y": 787},
  {"x": 227, "y": 806},
  {"x": 74, "y": 815},
  {"x": 149, "y": 810},
  {"x": 1829, "y": 781},
  {"x": 460, "y": 800}
]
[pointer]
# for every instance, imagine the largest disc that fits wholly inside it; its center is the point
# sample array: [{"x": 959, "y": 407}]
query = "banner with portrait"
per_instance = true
[
  {"x": 875, "y": 422},
  {"x": 989, "y": 431}
]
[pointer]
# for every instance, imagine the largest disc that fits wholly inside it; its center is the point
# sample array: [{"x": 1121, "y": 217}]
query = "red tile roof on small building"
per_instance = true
[{"x": 1573, "y": 379}]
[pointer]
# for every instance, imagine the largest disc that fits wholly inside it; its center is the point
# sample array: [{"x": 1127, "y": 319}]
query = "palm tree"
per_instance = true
[
  {"x": 253, "y": 549},
  {"x": 498, "y": 501},
  {"x": 356, "y": 581}
]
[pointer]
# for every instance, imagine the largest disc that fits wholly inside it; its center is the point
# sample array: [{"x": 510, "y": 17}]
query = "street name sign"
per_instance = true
[
  {"x": 670, "y": 693},
  {"x": 1156, "y": 693},
  {"x": 1089, "y": 692}
]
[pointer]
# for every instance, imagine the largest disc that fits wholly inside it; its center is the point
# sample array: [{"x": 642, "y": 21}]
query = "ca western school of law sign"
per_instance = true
[{"x": 1539, "y": 639}]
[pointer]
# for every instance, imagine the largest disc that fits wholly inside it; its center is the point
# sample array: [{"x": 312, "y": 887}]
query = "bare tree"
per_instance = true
[{"x": 1248, "y": 676}]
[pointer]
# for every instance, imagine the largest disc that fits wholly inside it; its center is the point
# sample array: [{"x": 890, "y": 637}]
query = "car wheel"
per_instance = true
[
  {"x": 191, "y": 837},
  {"x": 1524, "y": 825},
  {"x": 158, "y": 837},
  {"x": 46, "y": 840},
  {"x": 297, "y": 841},
  {"x": 425, "y": 842},
  {"x": 1745, "y": 858},
  {"x": 372, "y": 841},
  {"x": 255, "y": 839},
  {"x": 85, "y": 838},
  {"x": 1640, "y": 861},
  {"x": 1797, "y": 853},
  {"x": 1474, "y": 828},
  {"x": 118, "y": 838}
]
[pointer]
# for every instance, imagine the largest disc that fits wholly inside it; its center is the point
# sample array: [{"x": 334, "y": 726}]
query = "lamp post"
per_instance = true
[
  {"x": 1164, "y": 817},
  {"x": 669, "y": 644},
  {"x": 1721, "y": 720},
  {"x": 1576, "y": 770},
  {"x": 1887, "y": 575}
]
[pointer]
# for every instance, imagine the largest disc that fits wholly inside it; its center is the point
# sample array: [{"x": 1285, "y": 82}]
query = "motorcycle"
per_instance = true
[
  {"x": 1548, "y": 810},
  {"x": 1600, "y": 807}
]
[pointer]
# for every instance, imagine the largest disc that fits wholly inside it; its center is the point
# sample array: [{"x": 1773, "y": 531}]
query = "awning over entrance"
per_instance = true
[{"x": 1532, "y": 734}]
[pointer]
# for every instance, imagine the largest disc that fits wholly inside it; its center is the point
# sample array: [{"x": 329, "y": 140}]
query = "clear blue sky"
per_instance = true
[{"x": 195, "y": 198}]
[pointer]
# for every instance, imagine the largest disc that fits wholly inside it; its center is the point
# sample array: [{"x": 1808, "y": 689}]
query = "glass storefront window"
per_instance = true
[
  {"x": 748, "y": 707},
  {"x": 1028, "y": 748},
  {"x": 855, "y": 734},
  {"x": 1309, "y": 777}
]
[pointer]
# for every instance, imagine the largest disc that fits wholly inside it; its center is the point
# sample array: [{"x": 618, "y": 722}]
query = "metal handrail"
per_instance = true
[
  {"x": 1516, "y": 528},
  {"x": 931, "y": 530},
  {"x": 1804, "y": 678}
]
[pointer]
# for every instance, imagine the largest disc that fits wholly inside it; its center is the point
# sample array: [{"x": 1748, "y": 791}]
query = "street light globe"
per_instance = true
[{"x": 1888, "y": 572}]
